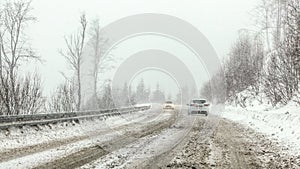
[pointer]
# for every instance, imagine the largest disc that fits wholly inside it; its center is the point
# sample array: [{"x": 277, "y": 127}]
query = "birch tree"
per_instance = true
[
  {"x": 74, "y": 55},
  {"x": 98, "y": 44}
]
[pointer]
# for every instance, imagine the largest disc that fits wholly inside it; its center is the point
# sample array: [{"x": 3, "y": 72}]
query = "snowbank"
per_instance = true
[{"x": 281, "y": 124}]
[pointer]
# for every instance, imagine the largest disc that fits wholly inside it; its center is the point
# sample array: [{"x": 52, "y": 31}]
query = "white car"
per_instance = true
[
  {"x": 198, "y": 106},
  {"x": 168, "y": 105}
]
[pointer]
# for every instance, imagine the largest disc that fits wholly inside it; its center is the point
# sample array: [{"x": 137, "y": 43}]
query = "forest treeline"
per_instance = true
[{"x": 263, "y": 64}]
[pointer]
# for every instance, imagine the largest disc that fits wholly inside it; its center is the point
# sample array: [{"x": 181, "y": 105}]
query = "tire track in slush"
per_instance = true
[
  {"x": 13, "y": 153},
  {"x": 162, "y": 159},
  {"x": 89, "y": 154},
  {"x": 145, "y": 153},
  {"x": 194, "y": 150}
]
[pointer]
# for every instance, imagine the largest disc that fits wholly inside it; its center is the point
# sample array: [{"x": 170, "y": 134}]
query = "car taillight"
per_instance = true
[
  {"x": 193, "y": 104},
  {"x": 206, "y": 104}
]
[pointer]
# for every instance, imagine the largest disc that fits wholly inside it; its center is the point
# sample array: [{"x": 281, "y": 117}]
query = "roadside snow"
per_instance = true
[
  {"x": 84, "y": 134},
  {"x": 281, "y": 124},
  {"x": 26, "y": 136}
]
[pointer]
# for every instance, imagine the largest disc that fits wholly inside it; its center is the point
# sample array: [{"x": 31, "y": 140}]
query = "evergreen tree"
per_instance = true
[
  {"x": 125, "y": 95},
  {"x": 107, "y": 99},
  {"x": 132, "y": 97},
  {"x": 142, "y": 95},
  {"x": 158, "y": 96}
]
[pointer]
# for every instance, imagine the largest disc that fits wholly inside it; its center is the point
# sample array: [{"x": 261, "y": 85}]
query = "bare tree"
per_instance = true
[
  {"x": 282, "y": 71},
  {"x": 30, "y": 97},
  {"x": 271, "y": 15},
  {"x": 98, "y": 44},
  {"x": 244, "y": 65},
  {"x": 275, "y": 74},
  {"x": 292, "y": 40},
  {"x": 63, "y": 99},
  {"x": 206, "y": 92},
  {"x": 241, "y": 71},
  {"x": 14, "y": 48},
  {"x": 263, "y": 16},
  {"x": 73, "y": 54}
]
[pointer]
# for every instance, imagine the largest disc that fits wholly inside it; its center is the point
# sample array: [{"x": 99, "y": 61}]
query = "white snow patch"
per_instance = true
[{"x": 280, "y": 124}]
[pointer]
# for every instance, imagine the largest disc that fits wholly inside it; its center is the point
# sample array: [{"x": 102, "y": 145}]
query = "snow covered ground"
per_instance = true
[
  {"x": 161, "y": 138},
  {"x": 137, "y": 154},
  {"x": 50, "y": 142},
  {"x": 18, "y": 137},
  {"x": 280, "y": 124}
]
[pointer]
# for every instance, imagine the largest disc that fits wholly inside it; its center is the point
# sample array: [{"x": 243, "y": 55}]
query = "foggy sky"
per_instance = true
[{"x": 218, "y": 20}]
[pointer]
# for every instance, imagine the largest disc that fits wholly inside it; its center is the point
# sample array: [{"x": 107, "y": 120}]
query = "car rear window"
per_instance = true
[
  {"x": 199, "y": 101},
  {"x": 168, "y": 102}
]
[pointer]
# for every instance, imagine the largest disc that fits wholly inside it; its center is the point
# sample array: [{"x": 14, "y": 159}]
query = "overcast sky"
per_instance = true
[{"x": 218, "y": 20}]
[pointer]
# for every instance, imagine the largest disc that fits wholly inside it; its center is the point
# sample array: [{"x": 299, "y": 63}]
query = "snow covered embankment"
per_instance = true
[{"x": 281, "y": 124}]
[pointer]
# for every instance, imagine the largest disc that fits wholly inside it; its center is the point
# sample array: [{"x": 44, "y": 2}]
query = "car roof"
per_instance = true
[{"x": 198, "y": 99}]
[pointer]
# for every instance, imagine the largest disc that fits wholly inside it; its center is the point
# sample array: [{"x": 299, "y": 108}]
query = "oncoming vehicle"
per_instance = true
[
  {"x": 168, "y": 105},
  {"x": 198, "y": 106}
]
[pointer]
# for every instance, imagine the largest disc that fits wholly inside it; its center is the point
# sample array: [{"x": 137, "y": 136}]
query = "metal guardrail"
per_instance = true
[{"x": 42, "y": 119}]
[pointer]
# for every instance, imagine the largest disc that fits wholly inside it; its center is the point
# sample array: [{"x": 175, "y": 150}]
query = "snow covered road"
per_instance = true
[{"x": 146, "y": 139}]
